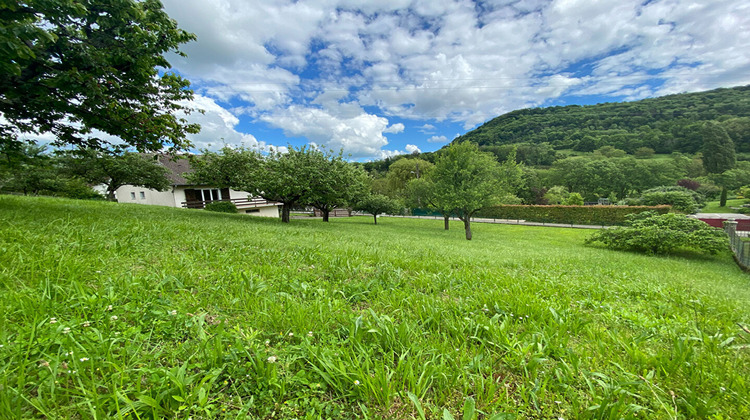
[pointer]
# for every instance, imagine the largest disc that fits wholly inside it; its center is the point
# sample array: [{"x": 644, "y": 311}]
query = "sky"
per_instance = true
[{"x": 378, "y": 78}]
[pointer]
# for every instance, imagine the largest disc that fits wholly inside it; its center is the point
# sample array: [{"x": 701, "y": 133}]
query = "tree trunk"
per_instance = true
[
  {"x": 111, "y": 195},
  {"x": 447, "y": 220},
  {"x": 375, "y": 216},
  {"x": 285, "y": 210},
  {"x": 467, "y": 227},
  {"x": 325, "y": 215}
]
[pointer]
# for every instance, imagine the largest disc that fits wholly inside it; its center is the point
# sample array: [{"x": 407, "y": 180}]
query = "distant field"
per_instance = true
[{"x": 127, "y": 311}]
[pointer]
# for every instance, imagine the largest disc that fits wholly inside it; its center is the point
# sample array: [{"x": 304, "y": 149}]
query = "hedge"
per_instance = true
[
  {"x": 222, "y": 207},
  {"x": 578, "y": 215}
]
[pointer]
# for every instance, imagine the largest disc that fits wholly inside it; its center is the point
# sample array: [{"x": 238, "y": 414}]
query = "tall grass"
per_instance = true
[{"x": 127, "y": 311}]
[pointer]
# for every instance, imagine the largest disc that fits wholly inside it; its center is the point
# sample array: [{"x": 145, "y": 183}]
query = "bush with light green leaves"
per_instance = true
[{"x": 662, "y": 234}]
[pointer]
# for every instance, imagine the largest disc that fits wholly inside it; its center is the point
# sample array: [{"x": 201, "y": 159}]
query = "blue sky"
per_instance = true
[{"x": 378, "y": 78}]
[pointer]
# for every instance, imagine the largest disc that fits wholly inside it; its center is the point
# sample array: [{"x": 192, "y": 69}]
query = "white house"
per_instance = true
[{"x": 187, "y": 195}]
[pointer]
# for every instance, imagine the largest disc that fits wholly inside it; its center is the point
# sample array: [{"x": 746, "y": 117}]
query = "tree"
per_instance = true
[
  {"x": 376, "y": 204},
  {"x": 718, "y": 153},
  {"x": 421, "y": 193},
  {"x": 115, "y": 169},
  {"x": 557, "y": 194},
  {"x": 466, "y": 180},
  {"x": 404, "y": 170},
  {"x": 334, "y": 182},
  {"x": 300, "y": 176},
  {"x": 280, "y": 177},
  {"x": 70, "y": 67},
  {"x": 28, "y": 169},
  {"x": 574, "y": 199},
  {"x": 718, "y": 148}
]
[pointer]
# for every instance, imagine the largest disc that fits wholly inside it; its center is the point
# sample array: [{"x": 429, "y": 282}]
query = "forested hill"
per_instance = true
[{"x": 664, "y": 124}]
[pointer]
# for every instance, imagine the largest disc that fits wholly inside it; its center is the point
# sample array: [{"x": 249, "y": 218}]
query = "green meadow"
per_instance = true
[{"x": 139, "y": 312}]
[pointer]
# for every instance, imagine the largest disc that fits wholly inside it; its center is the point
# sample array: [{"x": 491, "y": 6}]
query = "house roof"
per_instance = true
[{"x": 177, "y": 169}]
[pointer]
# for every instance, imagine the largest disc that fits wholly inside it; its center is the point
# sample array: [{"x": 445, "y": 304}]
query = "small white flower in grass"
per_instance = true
[
  {"x": 66, "y": 330},
  {"x": 1, "y": 346},
  {"x": 173, "y": 312},
  {"x": 356, "y": 382},
  {"x": 70, "y": 353},
  {"x": 53, "y": 320},
  {"x": 113, "y": 317},
  {"x": 268, "y": 343},
  {"x": 309, "y": 333},
  {"x": 291, "y": 334},
  {"x": 86, "y": 324},
  {"x": 109, "y": 307},
  {"x": 271, "y": 359},
  {"x": 84, "y": 359}
]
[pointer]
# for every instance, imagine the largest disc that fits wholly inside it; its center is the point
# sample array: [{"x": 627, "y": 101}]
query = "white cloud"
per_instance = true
[
  {"x": 360, "y": 135},
  {"x": 412, "y": 148},
  {"x": 218, "y": 126},
  {"x": 323, "y": 61},
  {"x": 437, "y": 139},
  {"x": 395, "y": 128},
  {"x": 426, "y": 129}
]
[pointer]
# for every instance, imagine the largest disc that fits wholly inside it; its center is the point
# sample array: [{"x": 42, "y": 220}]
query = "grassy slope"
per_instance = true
[
  {"x": 713, "y": 206},
  {"x": 524, "y": 320}
]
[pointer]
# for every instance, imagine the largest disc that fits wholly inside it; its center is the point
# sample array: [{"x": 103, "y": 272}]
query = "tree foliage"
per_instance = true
[
  {"x": 376, "y": 204},
  {"x": 334, "y": 182},
  {"x": 466, "y": 180},
  {"x": 300, "y": 176},
  {"x": 664, "y": 124},
  {"x": 661, "y": 234},
  {"x": 404, "y": 170},
  {"x": 718, "y": 148},
  {"x": 680, "y": 198},
  {"x": 28, "y": 169},
  {"x": 115, "y": 169},
  {"x": 70, "y": 67}
]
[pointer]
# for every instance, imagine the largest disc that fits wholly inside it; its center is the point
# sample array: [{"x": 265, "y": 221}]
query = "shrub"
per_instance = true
[
  {"x": 709, "y": 191},
  {"x": 680, "y": 198},
  {"x": 574, "y": 199},
  {"x": 584, "y": 215},
  {"x": 690, "y": 184},
  {"x": 662, "y": 233},
  {"x": 222, "y": 207},
  {"x": 644, "y": 152}
]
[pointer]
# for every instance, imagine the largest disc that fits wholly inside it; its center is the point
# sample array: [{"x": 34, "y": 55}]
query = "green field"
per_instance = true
[
  {"x": 127, "y": 311},
  {"x": 713, "y": 206}
]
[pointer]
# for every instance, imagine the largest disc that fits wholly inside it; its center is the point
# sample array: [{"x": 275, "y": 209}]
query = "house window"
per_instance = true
[
  {"x": 210, "y": 194},
  {"x": 132, "y": 195},
  {"x": 143, "y": 195}
]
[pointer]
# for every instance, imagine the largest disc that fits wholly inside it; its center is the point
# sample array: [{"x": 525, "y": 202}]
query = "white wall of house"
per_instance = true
[
  {"x": 140, "y": 195},
  {"x": 174, "y": 197},
  {"x": 270, "y": 211}
]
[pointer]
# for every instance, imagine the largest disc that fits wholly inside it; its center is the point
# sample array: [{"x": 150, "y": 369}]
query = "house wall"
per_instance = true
[
  {"x": 174, "y": 197},
  {"x": 142, "y": 195}
]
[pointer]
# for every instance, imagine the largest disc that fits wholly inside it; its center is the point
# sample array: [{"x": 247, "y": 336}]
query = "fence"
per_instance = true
[{"x": 740, "y": 244}]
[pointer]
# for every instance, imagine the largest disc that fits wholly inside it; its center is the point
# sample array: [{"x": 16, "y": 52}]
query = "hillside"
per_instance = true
[{"x": 665, "y": 124}]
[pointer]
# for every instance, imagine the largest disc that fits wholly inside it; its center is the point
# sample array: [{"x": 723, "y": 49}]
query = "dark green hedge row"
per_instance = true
[{"x": 577, "y": 215}]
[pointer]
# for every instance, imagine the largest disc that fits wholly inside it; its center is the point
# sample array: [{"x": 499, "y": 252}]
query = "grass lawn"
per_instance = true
[
  {"x": 130, "y": 311},
  {"x": 713, "y": 206}
]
